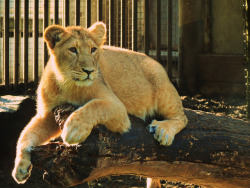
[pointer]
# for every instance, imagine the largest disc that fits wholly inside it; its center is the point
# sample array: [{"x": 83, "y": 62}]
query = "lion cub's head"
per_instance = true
[{"x": 75, "y": 52}]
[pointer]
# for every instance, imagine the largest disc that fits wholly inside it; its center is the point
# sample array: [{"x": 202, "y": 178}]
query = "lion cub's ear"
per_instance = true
[
  {"x": 53, "y": 34},
  {"x": 99, "y": 32}
]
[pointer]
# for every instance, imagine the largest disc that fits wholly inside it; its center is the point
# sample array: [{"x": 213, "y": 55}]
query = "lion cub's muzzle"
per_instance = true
[
  {"x": 87, "y": 71},
  {"x": 85, "y": 74}
]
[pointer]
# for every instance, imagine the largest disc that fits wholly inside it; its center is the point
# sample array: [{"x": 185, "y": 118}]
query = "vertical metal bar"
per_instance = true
[
  {"x": 104, "y": 15},
  {"x": 16, "y": 44},
  {"x": 88, "y": 13},
  {"x": 169, "y": 65},
  {"x": 123, "y": 25},
  {"x": 146, "y": 26},
  {"x": 77, "y": 12},
  {"x": 158, "y": 31},
  {"x": 111, "y": 23},
  {"x": 248, "y": 62},
  {"x": 56, "y": 21},
  {"x": 117, "y": 21},
  {"x": 26, "y": 43},
  {"x": 246, "y": 16},
  {"x": 35, "y": 38},
  {"x": 66, "y": 13},
  {"x": 45, "y": 25},
  {"x": 135, "y": 25},
  {"x": 100, "y": 10},
  {"x": 6, "y": 44}
]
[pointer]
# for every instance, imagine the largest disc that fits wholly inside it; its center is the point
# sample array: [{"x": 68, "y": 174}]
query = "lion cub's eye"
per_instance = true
[
  {"x": 93, "y": 50},
  {"x": 73, "y": 50}
]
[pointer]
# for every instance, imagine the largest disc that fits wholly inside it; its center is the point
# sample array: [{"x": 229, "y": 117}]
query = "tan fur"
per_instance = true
[{"x": 121, "y": 82}]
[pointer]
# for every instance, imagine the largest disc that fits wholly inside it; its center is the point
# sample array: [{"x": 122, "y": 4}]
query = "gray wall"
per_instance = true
[
  {"x": 211, "y": 46},
  {"x": 227, "y": 27}
]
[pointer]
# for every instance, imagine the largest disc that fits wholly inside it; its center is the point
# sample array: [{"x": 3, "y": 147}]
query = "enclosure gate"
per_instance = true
[{"x": 133, "y": 24}]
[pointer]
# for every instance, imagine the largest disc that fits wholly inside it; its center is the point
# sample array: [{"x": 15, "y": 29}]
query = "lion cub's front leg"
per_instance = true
[
  {"x": 110, "y": 112},
  {"x": 40, "y": 130}
]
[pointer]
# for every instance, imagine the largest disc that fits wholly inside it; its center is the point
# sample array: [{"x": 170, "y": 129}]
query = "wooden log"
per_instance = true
[{"x": 212, "y": 151}]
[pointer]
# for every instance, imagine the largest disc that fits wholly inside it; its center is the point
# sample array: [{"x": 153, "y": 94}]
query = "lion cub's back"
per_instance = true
[
  {"x": 131, "y": 66},
  {"x": 133, "y": 77}
]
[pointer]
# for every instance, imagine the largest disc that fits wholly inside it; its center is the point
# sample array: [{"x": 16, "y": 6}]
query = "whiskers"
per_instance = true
[
  {"x": 74, "y": 78},
  {"x": 67, "y": 83}
]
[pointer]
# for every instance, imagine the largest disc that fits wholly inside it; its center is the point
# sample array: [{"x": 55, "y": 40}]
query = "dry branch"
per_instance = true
[{"x": 210, "y": 151}]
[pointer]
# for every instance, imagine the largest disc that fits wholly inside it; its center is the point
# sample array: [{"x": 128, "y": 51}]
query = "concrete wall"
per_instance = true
[
  {"x": 221, "y": 69},
  {"x": 227, "y": 26},
  {"x": 211, "y": 46}
]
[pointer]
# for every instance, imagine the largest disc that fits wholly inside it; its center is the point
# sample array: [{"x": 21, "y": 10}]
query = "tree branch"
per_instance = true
[{"x": 210, "y": 151}]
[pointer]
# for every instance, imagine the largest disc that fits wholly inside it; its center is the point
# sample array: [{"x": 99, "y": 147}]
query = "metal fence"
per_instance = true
[{"x": 147, "y": 26}]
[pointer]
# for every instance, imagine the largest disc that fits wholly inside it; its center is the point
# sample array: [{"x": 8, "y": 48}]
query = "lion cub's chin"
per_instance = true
[{"x": 84, "y": 83}]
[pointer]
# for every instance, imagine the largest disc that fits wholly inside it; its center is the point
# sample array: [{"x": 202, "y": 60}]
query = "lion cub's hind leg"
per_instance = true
[
  {"x": 165, "y": 131},
  {"x": 170, "y": 107}
]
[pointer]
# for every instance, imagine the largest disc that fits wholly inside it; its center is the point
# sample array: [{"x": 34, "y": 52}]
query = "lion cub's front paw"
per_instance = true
[
  {"x": 75, "y": 131},
  {"x": 162, "y": 133},
  {"x": 22, "y": 170}
]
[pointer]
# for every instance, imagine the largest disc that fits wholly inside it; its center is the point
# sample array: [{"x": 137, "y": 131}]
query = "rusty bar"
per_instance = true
[
  {"x": 111, "y": 23},
  {"x": 146, "y": 26},
  {"x": 26, "y": 43},
  {"x": 169, "y": 61},
  {"x": 123, "y": 25},
  {"x": 77, "y": 12},
  {"x": 56, "y": 21},
  {"x": 35, "y": 38},
  {"x": 135, "y": 25},
  {"x": 66, "y": 13},
  {"x": 16, "y": 44},
  {"x": 88, "y": 13},
  {"x": 6, "y": 44},
  {"x": 158, "y": 31},
  {"x": 45, "y": 25},
  {"x": 100, "y": 10}
]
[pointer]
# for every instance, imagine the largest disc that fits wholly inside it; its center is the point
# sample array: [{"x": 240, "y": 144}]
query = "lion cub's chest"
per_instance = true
[{"x": 76, "y": 96}]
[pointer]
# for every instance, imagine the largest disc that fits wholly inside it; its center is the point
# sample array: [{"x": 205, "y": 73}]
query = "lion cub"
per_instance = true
[{"x": 107, "y": 82}]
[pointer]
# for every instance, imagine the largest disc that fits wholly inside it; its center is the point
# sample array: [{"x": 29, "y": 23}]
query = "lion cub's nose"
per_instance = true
[{"x": 87, "y": 71}]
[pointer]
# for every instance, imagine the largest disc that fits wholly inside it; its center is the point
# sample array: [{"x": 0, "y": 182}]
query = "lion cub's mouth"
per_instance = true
[{"x": 84, "y": 76}]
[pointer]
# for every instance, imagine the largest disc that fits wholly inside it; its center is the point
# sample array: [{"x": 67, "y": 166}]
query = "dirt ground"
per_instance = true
[{"x": 234, "y": 107}]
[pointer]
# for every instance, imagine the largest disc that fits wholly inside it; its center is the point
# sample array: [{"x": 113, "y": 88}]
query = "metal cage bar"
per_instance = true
[
  {"x": 111, "y": 23},
  {"x": 26, "y": 43},
  {"x": 56, "y": 20},
  {"x": 146, "y": 26},
  {"x": 158, "y": 29},
  {"x": 99, "y": 10},
  {"x": 135, "y": 8},
  {"x": 66, "y": 13},
  {"x": 6, "y": 44},
  {"x": 246, "y": 16},
  {"x": 45, "y": 25},
  {"x": 16, "y": 44},
  {"x": 35, "y": 38},
  {"x": 123, "y": 25},
  {"x": 88, "y": 13},
  {"x": 169, "y": 61},
  {"x": 78, "y": 9}
]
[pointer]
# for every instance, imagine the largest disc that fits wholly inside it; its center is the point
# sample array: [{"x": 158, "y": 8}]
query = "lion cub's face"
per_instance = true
[{"x": 76, "y": 52}]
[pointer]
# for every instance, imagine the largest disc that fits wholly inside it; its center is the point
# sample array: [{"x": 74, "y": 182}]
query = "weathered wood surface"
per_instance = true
[{"x": 212, "y": 151}]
